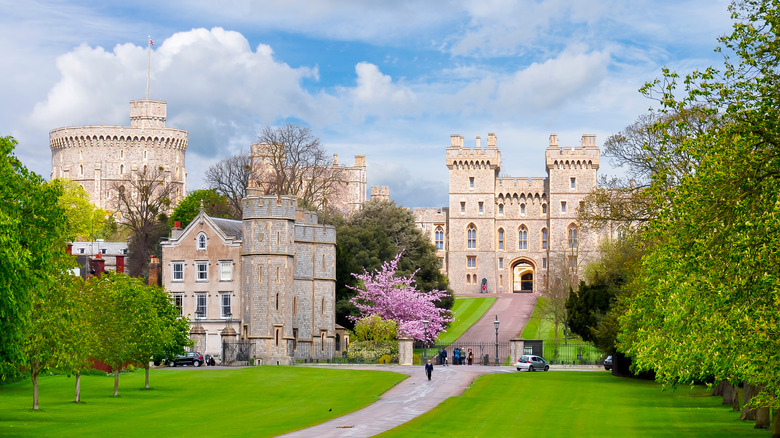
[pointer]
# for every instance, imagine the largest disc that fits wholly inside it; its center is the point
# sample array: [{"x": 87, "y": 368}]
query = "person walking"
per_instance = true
[
  {"x": 428, "y": 369},
  {"x": 443, "y": 357},
  {"x": 471, "y": 357},
  {"x": 456, "y": 356}
]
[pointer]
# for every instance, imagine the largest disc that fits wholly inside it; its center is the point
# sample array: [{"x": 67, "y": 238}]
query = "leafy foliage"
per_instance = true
[
  {"x": 84, "y": 220},
  {"x": 214, "y": 204}
]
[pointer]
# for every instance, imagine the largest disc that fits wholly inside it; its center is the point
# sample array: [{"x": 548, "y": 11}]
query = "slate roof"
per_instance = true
[{"x": 231, "y": 227}]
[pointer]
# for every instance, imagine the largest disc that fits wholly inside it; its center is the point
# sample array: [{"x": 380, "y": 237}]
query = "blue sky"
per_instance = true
[{"x": 391, "y": 80}]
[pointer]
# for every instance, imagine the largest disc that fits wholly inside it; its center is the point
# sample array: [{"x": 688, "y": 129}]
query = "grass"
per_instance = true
[
  {"x": 466, "y": 312},
  {"x": 582, "y": 404},
  {"x": 538, "y": 327},
  {"x": 257, "y": 401}
]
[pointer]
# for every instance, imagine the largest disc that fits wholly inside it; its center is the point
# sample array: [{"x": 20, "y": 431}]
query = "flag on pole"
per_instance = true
[{"x": 151, "y": 43}]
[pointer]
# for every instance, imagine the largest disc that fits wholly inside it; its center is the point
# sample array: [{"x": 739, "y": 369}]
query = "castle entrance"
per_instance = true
[{"x": 522, "y": 276}]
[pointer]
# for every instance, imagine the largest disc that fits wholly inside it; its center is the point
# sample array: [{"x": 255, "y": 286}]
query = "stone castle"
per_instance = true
[
  {"x": 504, "y": 234},
  {"x": 101, "y": 157}
]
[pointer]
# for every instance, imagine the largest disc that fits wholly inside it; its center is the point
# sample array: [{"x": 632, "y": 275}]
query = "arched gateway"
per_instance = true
[{"x": 523, "y": 276}]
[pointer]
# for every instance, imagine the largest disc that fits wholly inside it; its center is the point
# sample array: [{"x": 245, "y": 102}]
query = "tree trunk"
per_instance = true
[
  {"x": 731, "y": 395},
  {"x": 762, "y": 418},
  {"x": 35, "y": 389},
  {"x": 717, "y": 390},
  {"x": 776, "y": 424},
  {"x": 749, "y": 391},
  {"x": 78, "y": 387},
  {"x": 147, "y": 374},
  {"x": 116, "y": 381}
]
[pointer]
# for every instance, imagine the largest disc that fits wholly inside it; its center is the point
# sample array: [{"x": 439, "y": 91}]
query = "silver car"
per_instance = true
[{"x": 532, "y": 362}]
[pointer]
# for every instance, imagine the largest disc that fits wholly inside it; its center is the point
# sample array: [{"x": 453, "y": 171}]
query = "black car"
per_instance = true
[
  {"x": 192, "y": 358},
  {"x": 210, "y": 360},
  {"x": 608, "y": 363}
]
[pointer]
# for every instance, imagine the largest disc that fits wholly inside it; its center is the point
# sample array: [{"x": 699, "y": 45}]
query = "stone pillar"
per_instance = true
[
  {"x": 198, "y": 335},
  {"x": 517, "y": 347},
  {"x": 227, "y": 335},
  {"x": 405, "y": 351}
]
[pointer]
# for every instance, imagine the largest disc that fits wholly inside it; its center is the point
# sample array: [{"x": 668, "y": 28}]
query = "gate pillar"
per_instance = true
[
  {"x": 517, "y": 346},
  {"x": 405, "y": 351}
]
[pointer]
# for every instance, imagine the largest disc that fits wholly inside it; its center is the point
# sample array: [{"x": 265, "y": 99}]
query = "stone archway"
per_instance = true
[{"x": 523, "y": 276}]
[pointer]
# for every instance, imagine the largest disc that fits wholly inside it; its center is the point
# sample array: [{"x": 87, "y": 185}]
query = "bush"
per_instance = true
[{"x": 369, "y": 351}]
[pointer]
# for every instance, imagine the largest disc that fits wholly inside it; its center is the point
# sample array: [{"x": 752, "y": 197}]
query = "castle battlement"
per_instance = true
[
  {"x": 117, "y": 136},
  {"x": 462, "y": 157},
  {"x": 269, "y": 207},
  {"x": 585, "y": 156}
]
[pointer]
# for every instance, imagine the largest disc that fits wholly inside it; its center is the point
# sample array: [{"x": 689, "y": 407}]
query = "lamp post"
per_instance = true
[
  {"x": 495, "y": 323},
  {"x": 425, "y": 341}
]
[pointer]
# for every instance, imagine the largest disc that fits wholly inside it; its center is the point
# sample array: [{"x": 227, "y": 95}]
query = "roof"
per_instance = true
[{"x": 231, "y": 227}]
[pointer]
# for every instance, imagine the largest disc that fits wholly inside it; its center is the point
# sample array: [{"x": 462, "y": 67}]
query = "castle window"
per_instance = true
[
  {"x": 322, "y": 306},
  {"x": 522, "y": 237},
  {"x": 573, "y": 236},
  {"x": 439, "y": 238},
  {"x": 468, "y": 278},
  {"x": 573, "y": 262},
  {"x": 201, "y": 241},
  {"x": 544, "y": 238},
  {"x": 441, "y": 263},
  {"x": 471, "y": 236},
  {"x": 225, "y": 305},
  {"x": 501, "y": 209},
  {"x": 226, "y": 270},
  {"x": 200, "y": 305},
  {"x": 202, "y": 270},
  {"x": 121, "y": 169},
  {"x": 277, "y": 301},
  {"x": 481, "y": 207},
  {"x": 276, "y": 335},
  {"x": 323, "y": 262},
  {"x": 322, "y": 341},
  {"x": 462, "y": 208},
  {"x": 81, "y": 169},
  {"x": 582, "y": 205},
  {"x": 471, "y": 182},
  {"x": 500, "y": 263},
  {"x": 471, "y": 261},
  {"x": 563, "y": 206},
  {"x": 500, "y": 238},
  {"x": 573, "y": 183},
  {"x": 544, "y": 208},
  {"x": 177, "y": 271},
  {"x": 544, "y": 263},
  {"x": 500, "y": 281}
]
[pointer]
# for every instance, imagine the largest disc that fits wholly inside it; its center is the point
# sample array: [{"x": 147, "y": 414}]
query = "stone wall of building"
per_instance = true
[{"x": 101, "y": 157}]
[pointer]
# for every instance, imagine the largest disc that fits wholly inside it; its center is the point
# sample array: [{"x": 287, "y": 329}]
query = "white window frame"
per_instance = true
[
  {"x": 205, "y": 307},
  {"x": 226, "y": 270},
  {"x": 180, "y": 271},
  {"x": 178, "y": 302},
  {"x": 225, "y": 303},
  {"x": 198, "y": 271},
  {"x": 201, "y": 242}
]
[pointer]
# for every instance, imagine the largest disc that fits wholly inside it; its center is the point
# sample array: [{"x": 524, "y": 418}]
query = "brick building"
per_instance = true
[{"x": 511, "y": 234}]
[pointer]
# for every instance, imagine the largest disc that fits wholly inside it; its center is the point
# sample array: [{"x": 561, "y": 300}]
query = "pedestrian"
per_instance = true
[
  {"x": 456, "y": 356},
  {"x": 471, "y": 357},
  {"x": 443, "y": 357},
  {"x": 429, "y": 369}
]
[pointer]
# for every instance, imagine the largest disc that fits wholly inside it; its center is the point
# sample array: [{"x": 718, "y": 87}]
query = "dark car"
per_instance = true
[
  {"x": 608, "y": 363},
  {"x": 192, "y": 358},
  {"x": 210, "y": 360}
]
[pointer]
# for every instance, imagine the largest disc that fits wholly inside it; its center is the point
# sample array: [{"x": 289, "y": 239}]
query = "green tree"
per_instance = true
[
  {"x": 84, "y": 220},
  {"x": 32, "y": 250},
  {"x": 704, "y": 302},
  {"x": 214, "y": 204}
]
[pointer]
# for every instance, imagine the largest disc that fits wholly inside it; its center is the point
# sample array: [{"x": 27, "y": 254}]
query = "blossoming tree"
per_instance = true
[{"x": 397, "y": 298}]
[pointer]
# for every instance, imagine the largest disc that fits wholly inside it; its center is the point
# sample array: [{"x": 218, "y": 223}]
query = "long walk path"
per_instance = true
[{"x": 416, "y": 395}]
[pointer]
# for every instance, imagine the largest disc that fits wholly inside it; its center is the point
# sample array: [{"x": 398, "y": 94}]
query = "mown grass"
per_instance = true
[
  {"x": 581, "y": 404},
  {"x": 538, "y": 327},
  {"x": 466, "y": 312},
  {"x": 257, "y": 402}
]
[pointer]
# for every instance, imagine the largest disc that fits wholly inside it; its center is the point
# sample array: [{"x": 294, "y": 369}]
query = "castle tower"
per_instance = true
[{"x": 101, "y": 157}]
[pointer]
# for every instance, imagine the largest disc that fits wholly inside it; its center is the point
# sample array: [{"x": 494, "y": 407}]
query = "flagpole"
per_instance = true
[{"x": 148, "y": 64}]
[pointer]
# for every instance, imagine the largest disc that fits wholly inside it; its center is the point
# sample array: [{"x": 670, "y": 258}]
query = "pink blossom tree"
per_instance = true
[{"x": 397, "y": 298}]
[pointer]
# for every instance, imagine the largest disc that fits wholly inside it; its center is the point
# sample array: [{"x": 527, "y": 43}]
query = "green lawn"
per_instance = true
[
  {"x": 581, "y": 404},
  {"x": 466, "y": 312},
  {"x": 538, "y": 327},
  {"x": 258, "y": 401}
]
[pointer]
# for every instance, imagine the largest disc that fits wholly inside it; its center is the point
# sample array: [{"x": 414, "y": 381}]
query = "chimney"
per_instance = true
[
  {"x": 492, "y": 141},
  {"x": 98, "y": 265},
  {"x": 176, "y": 230},
  {"x": 479, "y": 140},
  {"x": 553, "y": 140},
  {"x": 155, "y": 269}
]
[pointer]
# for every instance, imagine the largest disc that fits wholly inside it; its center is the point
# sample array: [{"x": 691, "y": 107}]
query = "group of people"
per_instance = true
[{"x": 459, "y": 356}]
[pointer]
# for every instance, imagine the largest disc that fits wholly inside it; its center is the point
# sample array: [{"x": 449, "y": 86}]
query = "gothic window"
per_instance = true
[
  {"x": 501, "y": 209},
  {"x": 471, "y": 236},
  {"x": 500, "y": 238},
  {"x": 481, "y": 209},
  {"x": 544, "y": 208},
  {"x": 563, "y": 206},
  {"x": 439, "y": 237},
  {"x": 522, "y": 209},
  {"x": 522, "y": 237},
  {"x": 573, "y": 182},
  {"x": 201, "y": 241},
  {"x": 572, "y": 236},
  {"x": 544, "y": 238},
  {"x": 462, "y": 208},
  {"x": 471, "y": 182}
]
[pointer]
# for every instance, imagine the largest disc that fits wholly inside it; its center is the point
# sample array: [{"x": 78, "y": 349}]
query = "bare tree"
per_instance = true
[
  {"x": 230, "y": 178},
  {"x": 143, "y": 201},
  {"x": 562, "y": 278},
  {"x": 292, "y": 161}
]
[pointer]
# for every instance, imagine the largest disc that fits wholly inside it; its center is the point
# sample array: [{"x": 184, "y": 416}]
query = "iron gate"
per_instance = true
[{"x": 237, "y": 353}]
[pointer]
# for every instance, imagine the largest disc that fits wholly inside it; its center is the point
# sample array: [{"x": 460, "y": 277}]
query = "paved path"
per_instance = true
[
  {"x": 405, "y": 401},
  {"x": 513, "y": 311}
]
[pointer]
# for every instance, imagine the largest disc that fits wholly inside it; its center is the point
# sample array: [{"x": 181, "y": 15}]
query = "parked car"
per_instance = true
[
  {"x": 210, "y": 360},
  {"x": 532, "y": 362},
  {"x": 192, "y": 358},
  {"x": 608, "y": 363}
]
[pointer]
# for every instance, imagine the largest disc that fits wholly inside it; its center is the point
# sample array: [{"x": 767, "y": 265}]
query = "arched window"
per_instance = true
[
  {"x": 121, "y": 169},
  {"x": 522, "y": 209},
  {"x": 201, "y": 241},
  {"x": 439, "y": 238},
  {"x": 471, "y": 234},
  {"x": 501, "y": 209},
  {"x": 500, "y": 238},
  {"x": 572, "y": 236},
  {"x": 522, "y": 237},
  {"x": 544, "y": 208},
  {"x": 544, "y": 238}
]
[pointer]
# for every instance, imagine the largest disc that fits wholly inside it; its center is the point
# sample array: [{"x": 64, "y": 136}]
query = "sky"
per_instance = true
[{"x": 390, "y": 80}]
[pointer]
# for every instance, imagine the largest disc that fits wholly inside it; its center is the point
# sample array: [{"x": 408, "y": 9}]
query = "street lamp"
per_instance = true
[
  {"x": 425, "y": 341},
  {"x": 495, "y": 323}
]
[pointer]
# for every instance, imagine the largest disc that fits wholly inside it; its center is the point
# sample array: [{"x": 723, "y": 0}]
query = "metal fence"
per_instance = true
[
  {"x": 572, "y": 353},
  {"x": 237, "y": 353},
  {"x": 484, "y": 353}
]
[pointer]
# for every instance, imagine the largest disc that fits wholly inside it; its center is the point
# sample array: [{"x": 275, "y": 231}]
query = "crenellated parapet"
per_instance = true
[
  {"x": 521, "y": 190},
  {"x": 586, "y": 156},
  {"x": 460, "y": 157},
  {"x": 103, "y": 136}
]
